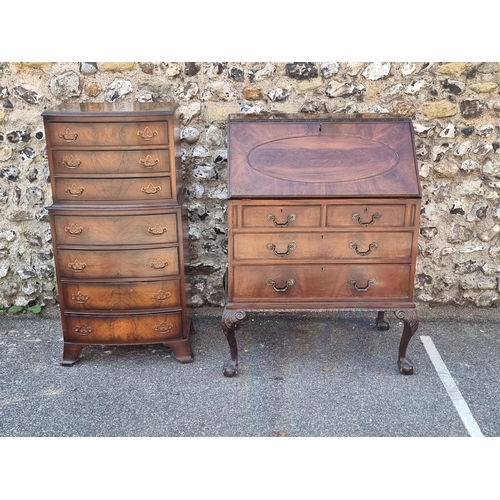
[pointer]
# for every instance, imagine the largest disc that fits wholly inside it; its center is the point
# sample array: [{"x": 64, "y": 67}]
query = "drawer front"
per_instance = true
[
  {"x": 110, "y": 162},
  {"x": 115, "y": 230},
  {"x": 86, "y": 296},
  {"x": 281, "y": 216},
  {"x": 371, "y": 216},
  {"x": 322, "y": 246},
  {"x": 110, "y": 264},
  {"x": 146, "y": 189},
  {"x": 154, "y": 328},
  {"x": 283, "y": 283},
  {"x": 107, "y": 134}
]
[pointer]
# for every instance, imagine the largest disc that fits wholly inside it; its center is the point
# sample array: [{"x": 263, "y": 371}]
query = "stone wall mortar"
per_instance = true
[{"x": 455, "y": 108}]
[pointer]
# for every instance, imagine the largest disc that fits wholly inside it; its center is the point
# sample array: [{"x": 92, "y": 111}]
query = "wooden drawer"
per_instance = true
[
  {"x": 110, "y": 162},
  {"x": 111, "y": 264},
  {"x": 107, "y": 134},
  {"x": 85, "y": 296},
  {"x": 281, "y": 216},
  {"x": 115, "y": 230},
  {"x": 147, "y": 189},
  {"x": 154, "y": 328},
  {"x": 309, "y": 283},
  {"x": 365, "y": 215},
  {"x": 322, "y": 245}
]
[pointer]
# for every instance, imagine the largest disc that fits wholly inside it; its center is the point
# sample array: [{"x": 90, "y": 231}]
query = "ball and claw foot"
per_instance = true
[
  {"x": 381, "y": 322},
  {"x": 230, "y": 369},
  {"x": 405, "y": 367}
]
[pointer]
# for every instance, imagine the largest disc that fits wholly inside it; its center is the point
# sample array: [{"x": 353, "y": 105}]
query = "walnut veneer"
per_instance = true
[
  {"x": 323, "y": 213},
  {"x": 118, "y": 226}
]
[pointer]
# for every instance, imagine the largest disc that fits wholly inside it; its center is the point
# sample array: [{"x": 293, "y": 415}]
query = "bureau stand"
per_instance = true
[{"x": 323, "y": 214}]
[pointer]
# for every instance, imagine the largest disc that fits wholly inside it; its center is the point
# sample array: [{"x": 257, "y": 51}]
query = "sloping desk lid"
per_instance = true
[{"x": 321, "y": 156}]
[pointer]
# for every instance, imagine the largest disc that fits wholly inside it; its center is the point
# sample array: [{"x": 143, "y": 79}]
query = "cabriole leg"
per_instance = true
[
  {"x": 230, "y": 318},
  {"x": 381, "y": 322},
  {"x": 410, "y": 321}
]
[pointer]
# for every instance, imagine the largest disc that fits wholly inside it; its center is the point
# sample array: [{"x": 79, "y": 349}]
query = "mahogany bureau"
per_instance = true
[
  {"x": 118, "y": 226},
  {"x": 323, "y": 213}
]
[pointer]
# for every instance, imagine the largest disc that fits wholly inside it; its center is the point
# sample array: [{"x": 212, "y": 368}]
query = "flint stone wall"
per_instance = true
[{"x": 455, "y": 108}]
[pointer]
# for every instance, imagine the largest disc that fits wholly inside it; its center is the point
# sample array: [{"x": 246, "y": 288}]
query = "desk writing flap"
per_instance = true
[{"x": 321, "y": 156}]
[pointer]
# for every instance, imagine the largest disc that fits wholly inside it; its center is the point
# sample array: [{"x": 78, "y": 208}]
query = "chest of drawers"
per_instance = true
[
  {"x": 118, "y": 226},
  {"x": 323, "y": 214}
]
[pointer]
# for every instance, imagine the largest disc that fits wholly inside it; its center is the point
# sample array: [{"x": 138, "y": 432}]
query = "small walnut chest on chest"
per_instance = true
[
  {"x": 118, "y": 226},
  {"x": 323, "y": 214}
]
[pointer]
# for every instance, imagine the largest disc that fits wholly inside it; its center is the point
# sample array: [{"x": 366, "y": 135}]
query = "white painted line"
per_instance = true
[{"x": 451, "y": 388}]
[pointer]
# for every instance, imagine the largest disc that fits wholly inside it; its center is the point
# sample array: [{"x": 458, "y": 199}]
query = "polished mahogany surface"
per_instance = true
[
  {"x": 323, "y": 213},
  {"x": 119, "y": 226},
  {"x": 321, "y": 158}
]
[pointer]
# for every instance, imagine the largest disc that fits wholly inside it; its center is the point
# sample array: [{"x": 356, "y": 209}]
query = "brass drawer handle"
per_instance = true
[
  {"x": 147, "y": 134},
  {"x": 289, "y": 282},
  {"x": 150, "y": 189},
  {"x": 77, "y": 266},
  {"x": 68, "y": 136},
  {"x": 74, "y": 230},
  {"x": 357, "y": 217},
  {"x": 161, "y": 295},
  {"x": 157, "y": 230},
  {"x": 354, "y": 247},
  {"x": 290, "y": 218},
  {"x": 149, "y": 162},
  {"x": 72, "y": 162},
  {"x": 290, "y": 247},
  {"x": 74, "y": 190},
  {"x": 83, "y": 329},
  {"x": 159, "y": 264},
  {"x": 163, "y": 327},
  {"x": 80, "y": 297},
  {"x": 370, "y": 282}
]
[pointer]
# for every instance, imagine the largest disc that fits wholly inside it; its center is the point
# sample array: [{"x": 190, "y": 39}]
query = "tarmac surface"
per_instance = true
[{"x": 301, "y": 375}]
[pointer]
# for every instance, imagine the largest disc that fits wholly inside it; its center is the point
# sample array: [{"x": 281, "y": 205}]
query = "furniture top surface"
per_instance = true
[
  {"x": 321, "y": 156},
  {"x": 99, "y": 109},
  {"x": 321, "y": 117}
]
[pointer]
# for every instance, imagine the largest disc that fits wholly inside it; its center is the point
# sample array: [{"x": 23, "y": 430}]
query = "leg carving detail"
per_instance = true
[
  {"x": 230, "y": 318},
  {"x": 410, "y": 320},
  {"x": 381, "y": 322}
]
